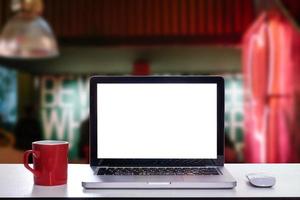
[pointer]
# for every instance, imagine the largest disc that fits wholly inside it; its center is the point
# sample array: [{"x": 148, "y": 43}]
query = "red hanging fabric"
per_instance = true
[{"x": 269, "y": 75}]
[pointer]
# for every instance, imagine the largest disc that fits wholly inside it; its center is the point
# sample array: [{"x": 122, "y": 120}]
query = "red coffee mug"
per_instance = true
[{"x": 50, "y": 162}]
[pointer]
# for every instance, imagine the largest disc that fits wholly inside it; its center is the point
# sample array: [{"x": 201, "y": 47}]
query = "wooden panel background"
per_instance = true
[{"x": 139, "y": 20}]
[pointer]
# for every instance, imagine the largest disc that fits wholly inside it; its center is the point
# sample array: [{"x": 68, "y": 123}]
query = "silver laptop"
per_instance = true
[{"x": 157, "y": 132}]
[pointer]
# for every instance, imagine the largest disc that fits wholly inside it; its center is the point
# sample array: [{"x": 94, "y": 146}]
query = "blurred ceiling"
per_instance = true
[{"x": 146, "y": 22}]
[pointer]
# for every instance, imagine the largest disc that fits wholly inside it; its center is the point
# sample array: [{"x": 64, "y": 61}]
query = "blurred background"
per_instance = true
[{"x": 48, "y": 50}]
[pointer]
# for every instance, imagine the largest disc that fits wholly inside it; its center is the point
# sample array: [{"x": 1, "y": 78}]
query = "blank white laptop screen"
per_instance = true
[{"x": 148, "y": 121}]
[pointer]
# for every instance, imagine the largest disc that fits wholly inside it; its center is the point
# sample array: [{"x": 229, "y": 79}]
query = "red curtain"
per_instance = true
[{"x": 271, "y": 70}]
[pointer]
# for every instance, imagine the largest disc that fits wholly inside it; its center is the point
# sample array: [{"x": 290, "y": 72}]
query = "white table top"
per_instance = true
[{"x": 16, "y": 181}]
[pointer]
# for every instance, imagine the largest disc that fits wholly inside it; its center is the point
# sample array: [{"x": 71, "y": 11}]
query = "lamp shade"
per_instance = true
[{"x": 27, "y": 37}]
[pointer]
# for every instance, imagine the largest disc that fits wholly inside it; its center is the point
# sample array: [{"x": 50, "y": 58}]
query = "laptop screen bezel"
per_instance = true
[{"x": 94, "y": 161}]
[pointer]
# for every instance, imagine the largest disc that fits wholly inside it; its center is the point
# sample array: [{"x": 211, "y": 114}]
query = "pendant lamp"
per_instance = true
[{"x": 27, "y": 35}]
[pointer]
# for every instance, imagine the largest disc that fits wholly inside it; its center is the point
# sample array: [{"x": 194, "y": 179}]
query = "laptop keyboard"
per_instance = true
[{"x": 158, "y": 171}]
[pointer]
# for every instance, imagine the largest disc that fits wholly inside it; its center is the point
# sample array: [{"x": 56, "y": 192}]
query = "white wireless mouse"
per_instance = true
[{"x": 261, "y": 180}]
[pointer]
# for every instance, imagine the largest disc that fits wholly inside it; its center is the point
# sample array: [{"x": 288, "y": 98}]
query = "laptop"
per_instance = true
[{"x": 157, "y": 132}]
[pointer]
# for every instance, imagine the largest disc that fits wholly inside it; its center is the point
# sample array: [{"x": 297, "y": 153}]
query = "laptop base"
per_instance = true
[{"x": 223, "y": 181}]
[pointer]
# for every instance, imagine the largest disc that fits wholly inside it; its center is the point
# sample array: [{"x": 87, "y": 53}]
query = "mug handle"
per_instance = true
[{"x": 25, "y": 160}]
